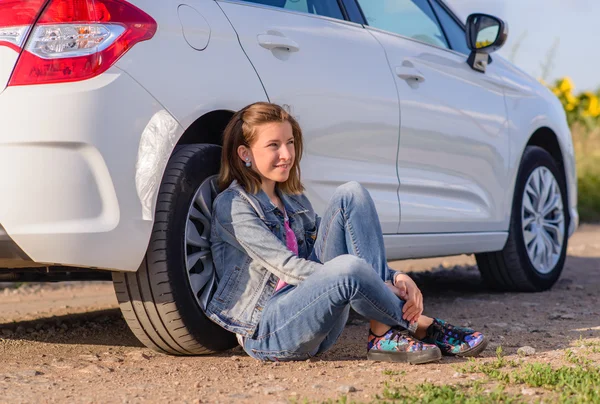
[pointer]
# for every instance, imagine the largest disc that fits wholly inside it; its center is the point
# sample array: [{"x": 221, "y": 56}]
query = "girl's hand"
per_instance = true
[{"x": 410, "y": 293}]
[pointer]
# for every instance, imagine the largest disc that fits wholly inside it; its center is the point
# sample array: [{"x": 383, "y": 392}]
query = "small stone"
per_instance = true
[
  {"x": 346, "y": 389},
  {"x": 197, "y": 385},
  {"x": 499, "y": 325},
  {"x": 526, "y": 351},
  {"x": 317, "y": 386},
  {"x": 271, "y": 377},
  {"x": 30, "y": 373},
  {"x": 139, "y": 356},
  {"x": 177, "y": 383},
  {"x": 95, "y": 369},
  {"x": 458, "y": 375}
]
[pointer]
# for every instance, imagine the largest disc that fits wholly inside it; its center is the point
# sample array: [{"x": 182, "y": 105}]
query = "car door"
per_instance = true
[
  {"x": 334, "y": 77},
  {"x": 454, "y": 144}
]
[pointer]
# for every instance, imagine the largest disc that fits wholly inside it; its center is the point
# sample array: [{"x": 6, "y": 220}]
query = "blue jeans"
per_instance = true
[{"x": 301, "y": 321}]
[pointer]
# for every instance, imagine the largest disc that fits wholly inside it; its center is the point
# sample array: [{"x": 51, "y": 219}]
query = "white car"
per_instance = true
[{"x": 112, "y": 111}]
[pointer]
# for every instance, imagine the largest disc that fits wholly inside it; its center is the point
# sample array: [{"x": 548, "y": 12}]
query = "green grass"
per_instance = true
[
  {"x": 428, "y": 393},
  {"x": 576, "y": 381}
]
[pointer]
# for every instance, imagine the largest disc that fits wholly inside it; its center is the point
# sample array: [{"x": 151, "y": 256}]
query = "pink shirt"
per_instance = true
[{"x": 292, "y": 245}]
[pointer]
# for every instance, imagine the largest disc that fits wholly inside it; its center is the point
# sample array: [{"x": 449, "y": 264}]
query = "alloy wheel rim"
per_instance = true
[{"x": 543, "y": 220}]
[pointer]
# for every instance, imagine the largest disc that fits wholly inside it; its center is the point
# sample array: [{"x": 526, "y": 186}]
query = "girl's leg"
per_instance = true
[
  {"x": 296, "y": 321},
  {"x": 350, "y": 225}
]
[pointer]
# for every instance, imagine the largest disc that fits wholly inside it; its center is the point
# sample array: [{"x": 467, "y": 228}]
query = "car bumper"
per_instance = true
[{"x": 69, "y": 154}]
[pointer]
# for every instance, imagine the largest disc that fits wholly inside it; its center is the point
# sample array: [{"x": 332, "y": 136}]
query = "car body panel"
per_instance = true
[
  {"x": 349, "y": 119},
  {"x": 73, "y": 198},
  {"x": 453, "y": 153}
]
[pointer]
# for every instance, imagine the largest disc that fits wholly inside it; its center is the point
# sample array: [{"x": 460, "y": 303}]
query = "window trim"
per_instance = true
[
  {"x": 285, "y": 10},
  {"x": 453, "y": 16},
  {"x": 451, "y": 13},
  {"x": 449, "y": 48},
  {"x": 437, "y": 18},
  {"x": 348, "y": 4}
]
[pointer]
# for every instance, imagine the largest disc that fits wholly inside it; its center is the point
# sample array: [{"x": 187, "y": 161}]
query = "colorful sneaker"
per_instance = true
[
  {"x": 397, "y": 346},
  {"x": 455, "y": 341}
]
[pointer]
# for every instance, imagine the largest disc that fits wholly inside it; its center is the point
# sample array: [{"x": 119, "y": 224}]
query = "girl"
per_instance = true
[{"x": 288, "y": 278}]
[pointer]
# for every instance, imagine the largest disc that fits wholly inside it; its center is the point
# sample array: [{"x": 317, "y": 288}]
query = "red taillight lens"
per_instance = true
[
  {"x": 78, "y": 39},
  {"x": 16, "y": 17}
]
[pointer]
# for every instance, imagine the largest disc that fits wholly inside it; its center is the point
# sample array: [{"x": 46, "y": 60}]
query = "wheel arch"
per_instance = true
[{"x": 208, "y": 128}]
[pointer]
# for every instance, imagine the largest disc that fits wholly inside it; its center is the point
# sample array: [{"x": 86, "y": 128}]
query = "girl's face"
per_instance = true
[{"x": 273, "y": 153}]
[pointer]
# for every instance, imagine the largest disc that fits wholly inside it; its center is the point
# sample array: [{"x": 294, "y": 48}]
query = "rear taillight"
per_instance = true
[{"x": 78, "y": 39}]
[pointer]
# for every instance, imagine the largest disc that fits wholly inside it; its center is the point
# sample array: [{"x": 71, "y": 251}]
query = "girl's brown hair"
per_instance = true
[{"x": 242, "y": 130}]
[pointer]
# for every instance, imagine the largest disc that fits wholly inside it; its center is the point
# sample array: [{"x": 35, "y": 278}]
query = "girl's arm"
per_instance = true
[{"x": 239, "y": 225}]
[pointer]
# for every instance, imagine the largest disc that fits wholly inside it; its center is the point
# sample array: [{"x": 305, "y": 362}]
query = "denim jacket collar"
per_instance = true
[{"x": 291, "y": 204}]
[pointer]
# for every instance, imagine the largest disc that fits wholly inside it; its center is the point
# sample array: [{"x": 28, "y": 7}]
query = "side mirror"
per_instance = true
[{"x": 485, "y": 34}]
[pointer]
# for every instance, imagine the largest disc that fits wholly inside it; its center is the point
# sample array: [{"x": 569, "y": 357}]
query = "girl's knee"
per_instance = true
[
  {"x": 351, "y": 267},
  {"x": 351, "y": 188}
]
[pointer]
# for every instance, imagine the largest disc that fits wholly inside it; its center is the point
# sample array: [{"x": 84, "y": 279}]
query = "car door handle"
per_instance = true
[
  {"x": 270, "y": 41},
  {"x": 409, "y": 74}
]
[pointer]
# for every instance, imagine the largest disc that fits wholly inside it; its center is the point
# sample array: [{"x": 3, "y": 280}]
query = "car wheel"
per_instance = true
[
  {"x": 162, "y": 301},
  {"x": 534, "y": 255}
]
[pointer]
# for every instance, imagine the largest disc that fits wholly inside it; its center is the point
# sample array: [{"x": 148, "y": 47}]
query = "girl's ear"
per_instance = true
[{"x": 243, "y": 153}]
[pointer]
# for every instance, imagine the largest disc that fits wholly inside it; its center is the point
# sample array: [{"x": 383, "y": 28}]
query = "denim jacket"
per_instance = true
[{"x": 250, "y": 254}]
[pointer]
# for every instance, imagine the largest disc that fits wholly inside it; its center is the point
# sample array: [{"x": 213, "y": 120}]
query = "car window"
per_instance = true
[
  {"x": 455, "y": 33},
  {"x": 410, "y": 18},
  {"x": 327, "y": 8}
]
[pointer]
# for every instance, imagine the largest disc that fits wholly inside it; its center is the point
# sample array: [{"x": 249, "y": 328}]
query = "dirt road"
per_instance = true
[{"x": 68, "y": 342}]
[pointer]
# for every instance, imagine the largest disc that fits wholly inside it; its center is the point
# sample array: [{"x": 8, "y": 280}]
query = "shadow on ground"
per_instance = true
[
  {"x": 102, "y": 327},
  {"x": 547, "y": 320}
]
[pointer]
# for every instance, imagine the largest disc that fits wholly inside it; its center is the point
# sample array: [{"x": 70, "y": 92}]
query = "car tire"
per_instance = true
[
  {"x": 157, "y": 301},
  {"x": 534, "y": 255}
]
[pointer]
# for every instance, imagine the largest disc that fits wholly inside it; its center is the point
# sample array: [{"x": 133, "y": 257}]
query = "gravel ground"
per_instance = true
[{"x": 67, "y": 342}]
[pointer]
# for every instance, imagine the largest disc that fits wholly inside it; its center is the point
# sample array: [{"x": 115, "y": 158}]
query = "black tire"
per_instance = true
[
  {"x": 511, "y": 269},
  {"x": 157, "y": 300}
]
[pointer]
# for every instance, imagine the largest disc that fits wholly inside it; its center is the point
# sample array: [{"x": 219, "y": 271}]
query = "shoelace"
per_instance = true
[
  {"x": 445, "y": 330},
  {"x": 397, "y": 334}
]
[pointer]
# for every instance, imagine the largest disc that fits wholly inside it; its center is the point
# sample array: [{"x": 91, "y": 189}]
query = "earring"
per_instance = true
[{"x": 248, "y": 163}]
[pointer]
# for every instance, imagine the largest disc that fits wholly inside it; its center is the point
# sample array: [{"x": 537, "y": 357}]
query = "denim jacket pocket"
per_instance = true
[
  {"x": 310, "y": 236},
  {"x": 229, "y": 285}
]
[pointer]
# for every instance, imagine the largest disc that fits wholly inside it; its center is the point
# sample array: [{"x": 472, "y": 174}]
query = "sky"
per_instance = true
[{"x": 565, "y": 32}]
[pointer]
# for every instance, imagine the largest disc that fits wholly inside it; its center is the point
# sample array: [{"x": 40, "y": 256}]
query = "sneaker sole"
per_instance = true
[
  {"x": 414, "y": 358},
  {"x": 476, "y": 350}
]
